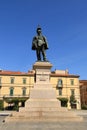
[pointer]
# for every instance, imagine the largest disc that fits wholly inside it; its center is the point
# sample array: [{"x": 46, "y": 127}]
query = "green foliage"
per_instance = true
[
  {"x": 1, "y": 105},
  {"x": 72, "y": 99},
  {"x": 63, "y": 101},
  {"x": 15, "y": 101},
  {"x": 16, "y": 105},
  {"x": 84, "y": 107}
]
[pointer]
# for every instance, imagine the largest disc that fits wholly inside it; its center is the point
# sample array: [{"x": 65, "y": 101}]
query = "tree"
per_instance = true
[
  {"x": 63, "y": 101},
  {"x": 72, "y": 99},
  {"x": 1, "y": 105}
]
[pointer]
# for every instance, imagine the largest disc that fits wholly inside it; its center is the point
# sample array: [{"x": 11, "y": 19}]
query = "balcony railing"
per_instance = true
[{"x": 18, "y": 96}]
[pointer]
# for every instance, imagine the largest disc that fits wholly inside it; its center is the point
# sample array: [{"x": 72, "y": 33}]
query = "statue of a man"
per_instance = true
[{"x": 40, "y": 44}]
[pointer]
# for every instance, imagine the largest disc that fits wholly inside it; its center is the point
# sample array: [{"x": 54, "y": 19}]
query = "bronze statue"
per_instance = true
[{"x": 40, "y": 44}]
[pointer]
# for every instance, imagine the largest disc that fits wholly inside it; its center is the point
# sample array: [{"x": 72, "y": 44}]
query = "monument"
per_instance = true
[
  {"x": 42, "y": 104},
  {"x": 40, "y": 44}
]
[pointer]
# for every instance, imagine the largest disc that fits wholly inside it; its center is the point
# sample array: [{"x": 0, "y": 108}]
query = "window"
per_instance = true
[
  {"x": 11, "y": 91},
  {"x": 72, "y": 91},
  {"x": 12, "y": 80},
  {"x": 24, "y": 80},
  {"x": 0, "y": 80},
  {"x": 24, "y": 91},
  {"x": 72, "y": 81},
  {"x": 60, "y": 83},
  {"x": 60, "y": 92}
]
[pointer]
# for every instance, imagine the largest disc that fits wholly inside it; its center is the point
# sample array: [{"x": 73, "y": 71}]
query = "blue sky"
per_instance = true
[{"x": 63, "y": 22}]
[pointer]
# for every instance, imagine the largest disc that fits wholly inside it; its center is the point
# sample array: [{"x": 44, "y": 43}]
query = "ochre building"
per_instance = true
[
  {"x": 83, "y": 92},
  {"x": 16, "y": 86}
]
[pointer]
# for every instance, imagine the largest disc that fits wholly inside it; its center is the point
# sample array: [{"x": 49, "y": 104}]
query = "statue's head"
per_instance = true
[{"x": 39, "y": 29}]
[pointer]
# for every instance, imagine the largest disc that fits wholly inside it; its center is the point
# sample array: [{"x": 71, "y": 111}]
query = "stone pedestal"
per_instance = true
[
  {"x": 42, "y": 104},
  {"x": 43, "y": 95}
]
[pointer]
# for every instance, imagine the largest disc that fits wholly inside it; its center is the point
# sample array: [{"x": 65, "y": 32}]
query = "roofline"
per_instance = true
[
  {"x": 83, "y": 80},
  {"x": 17, "y": 74},
  {"x": 31, "y": 73},
  {"x": 66, "y": 75}
]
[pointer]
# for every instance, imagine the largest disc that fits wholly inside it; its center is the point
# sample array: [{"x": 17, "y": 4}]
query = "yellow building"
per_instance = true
[{"x": 16, "y": 86}]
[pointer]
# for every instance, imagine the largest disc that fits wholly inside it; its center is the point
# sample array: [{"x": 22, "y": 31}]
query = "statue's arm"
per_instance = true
[
  {"x": 34, "y": 43},
  {"x": 46, "y": 43}
]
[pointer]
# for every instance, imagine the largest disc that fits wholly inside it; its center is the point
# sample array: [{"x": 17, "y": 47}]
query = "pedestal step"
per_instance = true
[
  {"x": 44, "y": 116},
  {"x": 42, "y": 103},
  {"x": 42, "y": 93},
  {"x": 51, "y": 109}
]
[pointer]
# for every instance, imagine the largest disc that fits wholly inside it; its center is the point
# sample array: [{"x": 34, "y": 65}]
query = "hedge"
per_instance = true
[{"x": 1, "y": 105}]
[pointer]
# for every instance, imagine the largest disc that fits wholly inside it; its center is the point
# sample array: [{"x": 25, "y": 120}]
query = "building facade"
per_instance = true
[
  {"x": 83, "y": 93},
  {"x": 16, "y": 86}
]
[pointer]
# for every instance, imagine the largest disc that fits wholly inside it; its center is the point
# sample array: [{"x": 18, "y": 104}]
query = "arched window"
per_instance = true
[
  {"x": 11, "y": 91},
  {"x": 24, "y": 91},
  {"x": 60, "y": 83},
  {"x": 0, "y": 80}
]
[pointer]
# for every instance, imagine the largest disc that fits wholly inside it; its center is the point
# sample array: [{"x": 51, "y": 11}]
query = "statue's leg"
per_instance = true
[
  {"x": 43, "y": 53},
  {"x": 38, "y": 54}
]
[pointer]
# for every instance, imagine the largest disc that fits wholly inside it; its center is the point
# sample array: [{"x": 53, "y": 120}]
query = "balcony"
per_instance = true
[
  {"x": 15, "y": 96},
  {"x": 11, "y": 99},
  {"x": 60, "y": 84}
]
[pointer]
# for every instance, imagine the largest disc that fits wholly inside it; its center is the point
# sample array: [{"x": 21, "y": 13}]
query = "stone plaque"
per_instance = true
[{"x": 42, "y": 75}]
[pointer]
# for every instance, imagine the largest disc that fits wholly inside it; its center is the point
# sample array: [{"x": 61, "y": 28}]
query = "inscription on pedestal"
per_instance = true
[{"x": 42, "y": 75}]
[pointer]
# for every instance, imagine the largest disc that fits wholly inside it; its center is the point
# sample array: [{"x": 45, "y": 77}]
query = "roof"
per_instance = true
[
  {"x": 5, "y": 72},
  {"x": 65, "y": 75},
  {"x": 31, "y": 73},
  {"x": 83, "y": 82}
]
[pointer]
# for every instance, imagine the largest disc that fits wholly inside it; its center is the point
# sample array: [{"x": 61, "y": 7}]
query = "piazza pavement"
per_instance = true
[{"x": 39, "y": 125}]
